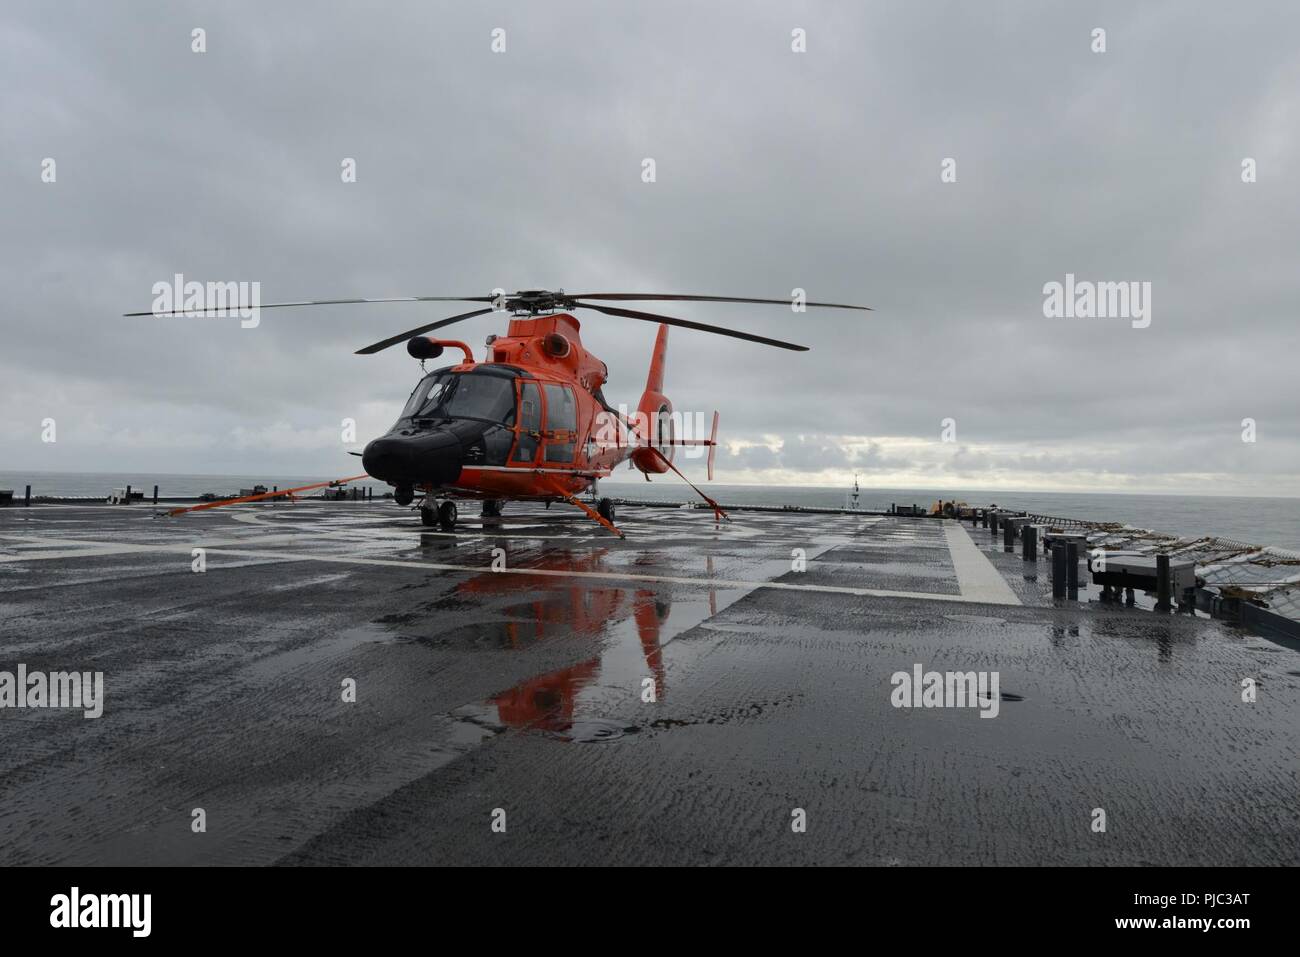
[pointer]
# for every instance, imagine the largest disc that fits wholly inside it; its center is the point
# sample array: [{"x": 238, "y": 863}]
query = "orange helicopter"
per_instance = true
[{"x": 529, "y": 421}]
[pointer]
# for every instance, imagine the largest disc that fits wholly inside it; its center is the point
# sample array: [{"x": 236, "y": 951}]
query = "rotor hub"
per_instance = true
[{"x": 531, "y": 302}]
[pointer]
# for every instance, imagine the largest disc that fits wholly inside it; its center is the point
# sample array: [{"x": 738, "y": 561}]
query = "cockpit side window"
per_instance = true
[{"x": 430, "y": 387}]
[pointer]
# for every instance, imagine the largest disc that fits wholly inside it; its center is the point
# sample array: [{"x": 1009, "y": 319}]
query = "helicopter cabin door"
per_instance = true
[
  {"x": 528, "y": 437},
  {"x": 561, "y": 432}
]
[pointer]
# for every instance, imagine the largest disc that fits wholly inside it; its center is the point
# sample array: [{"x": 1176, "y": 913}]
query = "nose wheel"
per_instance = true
[{"x": 441, "y": 514}]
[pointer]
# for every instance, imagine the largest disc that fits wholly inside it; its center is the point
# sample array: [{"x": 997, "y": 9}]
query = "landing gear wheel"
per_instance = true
[
  {"x": 492, "y": 508},
  {"x": 447, "y": 515},
  {"x": 428, "y": 516},
  {"x": 605, "y": 508}
]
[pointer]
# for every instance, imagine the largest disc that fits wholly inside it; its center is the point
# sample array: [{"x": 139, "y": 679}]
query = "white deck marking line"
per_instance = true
[
  {"x": 859, "y": 543},
  {"x": 516, "y": 529},
  {"x": 45, "y": 541},
  {"x": 399, "y": 534},
  {"x": 976, "y": 576},
  {"x": 271, "y": 555},
  {"x": 78, "y": 553}
]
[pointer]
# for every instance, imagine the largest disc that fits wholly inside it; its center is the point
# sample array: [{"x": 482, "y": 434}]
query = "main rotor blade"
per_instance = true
[
  {"x": 318, "y": 302},
  {"x": 403, "y": 336},
  {"x": 657, "y": 297},
  {"x": 688, "y": 324}
]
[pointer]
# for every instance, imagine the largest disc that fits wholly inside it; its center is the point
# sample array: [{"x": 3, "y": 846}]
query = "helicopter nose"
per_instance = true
[{"x": 432, "y": 458}]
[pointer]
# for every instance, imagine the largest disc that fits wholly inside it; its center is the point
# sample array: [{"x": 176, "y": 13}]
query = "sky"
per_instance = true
[{"x": 941, "y": 162}]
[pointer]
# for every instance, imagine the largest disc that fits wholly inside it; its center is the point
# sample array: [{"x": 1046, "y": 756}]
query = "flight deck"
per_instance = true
[{"x": 334, "y": 683}]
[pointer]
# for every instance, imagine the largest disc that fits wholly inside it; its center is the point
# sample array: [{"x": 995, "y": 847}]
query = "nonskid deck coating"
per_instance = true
[{"x": 522, "y": 690}]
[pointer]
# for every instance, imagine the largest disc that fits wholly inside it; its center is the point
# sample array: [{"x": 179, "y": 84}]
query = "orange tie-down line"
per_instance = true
[
  {"x": 290, "y": 492},
  {"x": 574, "y": 500},
  {"x": 718, "y": 512},
  {"x": 711, "y": 443}
]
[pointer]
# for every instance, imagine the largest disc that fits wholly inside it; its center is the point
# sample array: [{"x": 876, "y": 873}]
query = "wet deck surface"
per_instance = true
[{"x": 523, "y": 690}]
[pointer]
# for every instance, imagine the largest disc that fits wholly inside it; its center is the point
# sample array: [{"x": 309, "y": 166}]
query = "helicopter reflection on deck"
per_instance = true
[{"x": 571, "y": 607}]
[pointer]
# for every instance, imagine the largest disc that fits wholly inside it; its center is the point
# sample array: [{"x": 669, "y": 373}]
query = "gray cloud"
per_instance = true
[{"x": 775, "y": 171}]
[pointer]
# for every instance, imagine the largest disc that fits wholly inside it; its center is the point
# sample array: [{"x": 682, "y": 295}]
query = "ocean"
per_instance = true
[{"x": 1261, "y": 521}]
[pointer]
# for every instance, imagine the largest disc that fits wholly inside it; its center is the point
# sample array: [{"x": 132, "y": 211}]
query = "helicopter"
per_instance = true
[{"x": 529, "y": 421}]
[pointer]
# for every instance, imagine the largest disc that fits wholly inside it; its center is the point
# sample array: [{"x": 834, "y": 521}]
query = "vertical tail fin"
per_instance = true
[
  {"x": 655, "y": 380},
  {"x": 655, "y": 411}
]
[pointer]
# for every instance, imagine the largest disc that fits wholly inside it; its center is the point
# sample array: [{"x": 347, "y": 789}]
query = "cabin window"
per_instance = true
[{"x": 561, "y": 423}]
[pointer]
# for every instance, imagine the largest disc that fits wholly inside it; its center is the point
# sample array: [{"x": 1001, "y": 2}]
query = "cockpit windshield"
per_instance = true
[{"x": 462, "y": 395}]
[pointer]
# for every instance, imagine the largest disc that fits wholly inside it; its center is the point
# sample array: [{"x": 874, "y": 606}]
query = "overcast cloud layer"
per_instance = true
[{"x": 775, "y": 170}]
